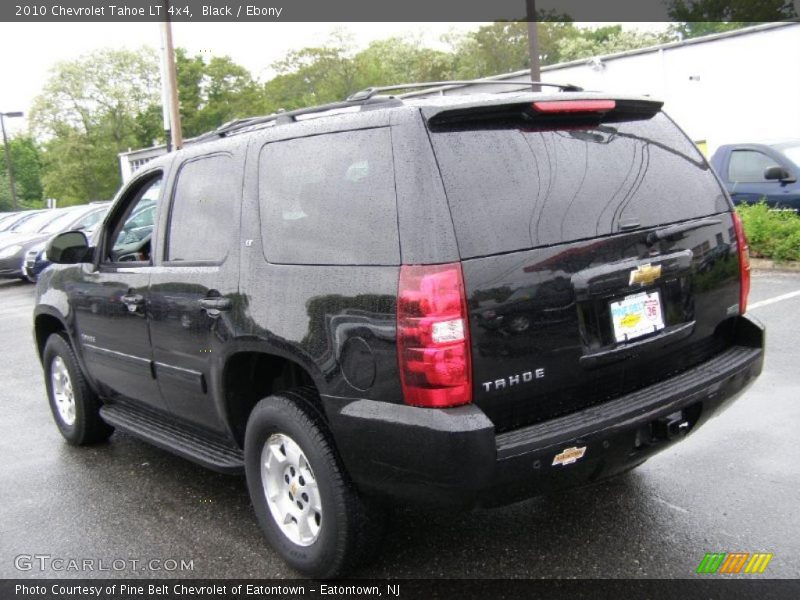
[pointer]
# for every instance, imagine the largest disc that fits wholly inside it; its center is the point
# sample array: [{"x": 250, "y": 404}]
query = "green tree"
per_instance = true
[
  {"x": 492, "y": 49},
  {"x": 606, "y": 40},
  {"x": 212, "y": 92},
  {"x": 5, "y": 194},
  {"x": 703, "y": 17},
  {"x": 333, "y": 71},
  {"x": 90, "y": 110},
  {"x": 400, "y": 60},
  {"x": 314, "y": 75},
  {"x": 502, "y": 47},
  {"x": 27, "y": 166}
]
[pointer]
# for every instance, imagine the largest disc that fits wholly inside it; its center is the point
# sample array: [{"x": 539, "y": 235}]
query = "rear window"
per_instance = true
[
  {"x": 204, "y": 218},
  {"x": 330, "y": 199},
  {"x": 511, "y": 188}
]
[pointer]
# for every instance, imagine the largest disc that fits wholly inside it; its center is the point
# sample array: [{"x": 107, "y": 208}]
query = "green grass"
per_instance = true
[{"x": 771, "y": 234}]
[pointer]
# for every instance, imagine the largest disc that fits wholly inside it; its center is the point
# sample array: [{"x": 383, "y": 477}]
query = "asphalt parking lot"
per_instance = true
[{"x": 732, "y": 487}]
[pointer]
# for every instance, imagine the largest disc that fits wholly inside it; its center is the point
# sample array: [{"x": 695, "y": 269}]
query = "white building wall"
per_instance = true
[
  {"x": 743, "y": 87},
  {"x": 133, "y": 159}
]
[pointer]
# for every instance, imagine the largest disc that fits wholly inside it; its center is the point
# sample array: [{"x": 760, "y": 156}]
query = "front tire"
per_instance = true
[
  {"x": 309, "y": 511},
  {"x": 75, "y": 406}
]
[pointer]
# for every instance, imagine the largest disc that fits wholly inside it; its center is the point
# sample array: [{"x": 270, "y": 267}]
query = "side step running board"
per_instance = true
[{"x": 157, "y": 430}]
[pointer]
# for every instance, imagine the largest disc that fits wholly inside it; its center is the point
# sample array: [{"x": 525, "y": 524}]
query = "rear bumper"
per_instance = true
[{"x": 453, "y": 457}]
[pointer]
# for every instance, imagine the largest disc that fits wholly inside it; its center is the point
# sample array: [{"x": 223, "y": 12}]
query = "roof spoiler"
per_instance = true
[{"x": 548, "y": 113}]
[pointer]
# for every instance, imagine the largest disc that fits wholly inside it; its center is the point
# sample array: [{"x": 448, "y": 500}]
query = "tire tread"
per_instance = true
[
  {"x": 92, "y": 428},
  {"x": 364, "y": 520}
]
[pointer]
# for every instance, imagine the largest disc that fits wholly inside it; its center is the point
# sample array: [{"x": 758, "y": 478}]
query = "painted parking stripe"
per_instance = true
[{"x": 769, "y": 301}]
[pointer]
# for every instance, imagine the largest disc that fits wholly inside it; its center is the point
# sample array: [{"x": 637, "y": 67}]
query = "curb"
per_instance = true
[{"x": 763, "y": 264}]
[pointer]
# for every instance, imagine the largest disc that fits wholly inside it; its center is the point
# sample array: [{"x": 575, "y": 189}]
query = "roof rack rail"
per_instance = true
[
  {"x": 366, "y": 99},
  {"x": 370, "y": 92},
  {"x": 291, "y": 115}
]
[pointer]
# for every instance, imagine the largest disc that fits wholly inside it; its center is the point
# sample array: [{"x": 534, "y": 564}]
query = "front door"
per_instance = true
[{"x": 110, "y": 302}]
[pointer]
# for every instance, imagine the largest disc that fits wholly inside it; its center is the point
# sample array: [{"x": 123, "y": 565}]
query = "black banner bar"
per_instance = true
[
  {"x": 710, "y": 588},
  {"x": 396, "y": 11}
]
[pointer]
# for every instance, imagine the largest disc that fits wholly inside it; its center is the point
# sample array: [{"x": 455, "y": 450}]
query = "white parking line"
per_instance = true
[{"x": 769, "y": 301}]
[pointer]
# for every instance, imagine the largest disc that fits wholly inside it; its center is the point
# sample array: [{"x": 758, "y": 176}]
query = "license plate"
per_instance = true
[{"x": 637, "y": 315}]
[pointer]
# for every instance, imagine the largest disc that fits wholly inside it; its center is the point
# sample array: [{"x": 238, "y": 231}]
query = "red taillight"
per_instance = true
[
  {"x": 574, "y": 106},
  {"x": 744, "y": 263},
  {"x": 433, "y": 336}
]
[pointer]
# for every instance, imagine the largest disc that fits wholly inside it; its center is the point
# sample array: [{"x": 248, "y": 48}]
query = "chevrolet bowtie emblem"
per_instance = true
[{"x": 645, "y": 274}]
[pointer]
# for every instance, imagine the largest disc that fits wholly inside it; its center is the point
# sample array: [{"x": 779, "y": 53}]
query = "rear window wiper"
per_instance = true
[{"x": 674, "y": 231}]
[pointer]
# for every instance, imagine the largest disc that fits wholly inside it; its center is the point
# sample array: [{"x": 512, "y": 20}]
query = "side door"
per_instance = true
[
  {"x": 747, "y": 183},
  {"x": 193, "y": 290},
  {"x": 110, "y": 302}
]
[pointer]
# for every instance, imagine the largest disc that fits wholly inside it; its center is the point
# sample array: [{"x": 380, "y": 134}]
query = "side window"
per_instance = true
[
  {"x": 131, "y": 232},
  {"x": 748, "y": 166},
  {"x": 329, "y": 199},
  {"x": 203, "y": 222}
]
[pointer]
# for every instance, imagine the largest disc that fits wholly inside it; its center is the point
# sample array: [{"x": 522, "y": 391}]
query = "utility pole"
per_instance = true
[
  {"x": 533, "y": 42},
  {"x": 170, "y": 82},
  {"x": 164, "y": 91},
  {"x": 9, "y": 170}
]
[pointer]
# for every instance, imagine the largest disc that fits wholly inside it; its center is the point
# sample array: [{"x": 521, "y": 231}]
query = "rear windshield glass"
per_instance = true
[{"x": 511, "y": 188}]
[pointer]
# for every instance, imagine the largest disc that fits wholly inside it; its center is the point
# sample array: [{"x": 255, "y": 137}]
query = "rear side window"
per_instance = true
[
  {"x": 330, "y": 199},
  {"x": 203, "y": 221},
  {"x": 510, "y": 188},
  {"x": 748, "y": 166}
]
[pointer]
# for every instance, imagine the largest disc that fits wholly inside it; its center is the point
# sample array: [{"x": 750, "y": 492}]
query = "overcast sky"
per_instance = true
[{"x": 29, "y": 50}]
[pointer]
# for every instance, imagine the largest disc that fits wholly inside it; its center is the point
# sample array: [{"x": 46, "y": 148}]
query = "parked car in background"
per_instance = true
[
  {"x": 35, "y": 259},
  {"x": 16, "y": 218},
  {"x": 38, "y": 229},
  {"x": 6, "y": 219},
  {"x": 755, "y": 172},
  {"x": 28, "y": 224}
]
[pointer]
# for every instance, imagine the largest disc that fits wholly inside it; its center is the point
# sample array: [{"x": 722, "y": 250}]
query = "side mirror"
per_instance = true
[
  {"x": 779, "y": 173},
  {"x": 69, "y": 248}
]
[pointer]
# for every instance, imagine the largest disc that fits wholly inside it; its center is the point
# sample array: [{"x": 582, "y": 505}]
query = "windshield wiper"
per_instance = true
[{"x": 676, "y": 230}]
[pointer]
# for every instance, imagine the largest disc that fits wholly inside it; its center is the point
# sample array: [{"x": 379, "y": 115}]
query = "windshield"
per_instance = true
[
  {"x": 15, "y": 220},
  {"x": 6, "y": 221},
  {"x": 36, "y": 222},
  {"x": 60, "y": 223}
]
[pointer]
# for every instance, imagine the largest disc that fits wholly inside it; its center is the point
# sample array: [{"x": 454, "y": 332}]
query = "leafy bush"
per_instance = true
[{"x": 771, "y": 234}]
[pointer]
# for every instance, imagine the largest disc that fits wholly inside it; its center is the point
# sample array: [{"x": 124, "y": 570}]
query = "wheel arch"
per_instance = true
[
  {"x": 46, "y": 322},
  {"x": 251, "y": 374}
]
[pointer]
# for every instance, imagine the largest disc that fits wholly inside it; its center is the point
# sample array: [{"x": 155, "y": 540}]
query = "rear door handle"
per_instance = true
[{"x": 216, "y": 304}]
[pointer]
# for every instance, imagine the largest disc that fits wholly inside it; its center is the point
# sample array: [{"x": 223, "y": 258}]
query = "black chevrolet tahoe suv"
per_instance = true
[{"x": 449, "y": 300}]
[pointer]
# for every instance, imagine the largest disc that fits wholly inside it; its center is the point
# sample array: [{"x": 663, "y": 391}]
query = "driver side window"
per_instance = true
[{"x": 129, "y": 238}]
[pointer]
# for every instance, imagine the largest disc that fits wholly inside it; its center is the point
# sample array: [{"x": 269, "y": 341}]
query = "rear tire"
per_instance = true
[
  {"x": 309, "y": 511},
  {"x": 75, "y": 406}
]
